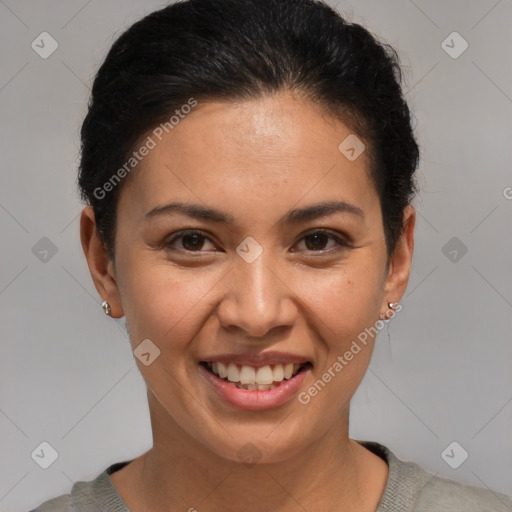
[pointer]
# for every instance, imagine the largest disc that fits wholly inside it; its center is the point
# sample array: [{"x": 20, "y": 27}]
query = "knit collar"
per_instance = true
[{"x": 405, "y": 480}]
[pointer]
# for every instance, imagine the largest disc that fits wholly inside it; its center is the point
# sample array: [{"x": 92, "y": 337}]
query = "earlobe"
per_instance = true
[
  {"x": 401, "y": 260},
  {"x": 100, "y": 265}
]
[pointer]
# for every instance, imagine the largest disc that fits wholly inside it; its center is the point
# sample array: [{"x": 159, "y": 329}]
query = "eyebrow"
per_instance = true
[{"x": 295, "y": 216}]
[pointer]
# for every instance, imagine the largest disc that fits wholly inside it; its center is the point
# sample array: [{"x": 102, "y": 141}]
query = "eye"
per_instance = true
[
  {"x": 192, "y": 241},
  {"x": 316, "y": 240}
]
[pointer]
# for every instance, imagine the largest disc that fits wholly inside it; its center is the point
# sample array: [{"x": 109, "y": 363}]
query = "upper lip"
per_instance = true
[{"x": 256, "y": 360}]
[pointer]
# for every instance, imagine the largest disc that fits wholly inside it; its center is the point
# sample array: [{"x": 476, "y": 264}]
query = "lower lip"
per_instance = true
[{"x": 255, "y": 400}]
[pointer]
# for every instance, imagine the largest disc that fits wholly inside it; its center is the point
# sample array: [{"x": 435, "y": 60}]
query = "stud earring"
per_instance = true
[
  {"x": 391, "y": 305},
  {"x": 106, "y": 307}
]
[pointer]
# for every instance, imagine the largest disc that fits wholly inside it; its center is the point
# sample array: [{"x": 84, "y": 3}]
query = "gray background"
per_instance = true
[{"x": 68, "y": 376}]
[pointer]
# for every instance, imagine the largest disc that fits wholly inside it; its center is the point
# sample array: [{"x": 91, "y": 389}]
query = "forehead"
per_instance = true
[{"x": 276, "y": 148}]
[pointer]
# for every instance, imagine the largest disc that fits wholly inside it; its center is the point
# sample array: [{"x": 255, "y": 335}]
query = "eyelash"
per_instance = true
[{"x": 342, "y": 243}]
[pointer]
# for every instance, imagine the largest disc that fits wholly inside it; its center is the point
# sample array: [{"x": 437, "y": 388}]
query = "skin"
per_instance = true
[{"x": 254, "y": 160}]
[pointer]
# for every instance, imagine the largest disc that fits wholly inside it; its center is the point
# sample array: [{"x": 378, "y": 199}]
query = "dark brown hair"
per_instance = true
[{"x": 241, "y": 49}]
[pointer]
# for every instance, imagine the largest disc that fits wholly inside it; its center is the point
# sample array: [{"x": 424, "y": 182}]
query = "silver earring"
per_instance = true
[{"x": 106, "y": 307}]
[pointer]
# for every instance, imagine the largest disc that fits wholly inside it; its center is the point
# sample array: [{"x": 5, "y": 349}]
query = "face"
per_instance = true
[{"x": 271, "y": 269}]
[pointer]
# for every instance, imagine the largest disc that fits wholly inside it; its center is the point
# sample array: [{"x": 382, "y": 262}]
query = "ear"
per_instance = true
[
  {"x": 400, "y": 264},
  {"x": 101, "y": 267}
]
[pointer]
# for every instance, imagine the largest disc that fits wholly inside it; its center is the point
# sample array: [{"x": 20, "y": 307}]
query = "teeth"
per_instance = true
[
  {"x": 264, "y": 375},
  {"x": 222, "y": 371},
  {"x": 248, "y": 375},
  {"x": 278, "y": 372},
  {"x": 255, "y": 378},
  {"x": 254, "y": 387},
  {"x": 288, "y": 370},
  {"x": 233, "y": 373}
]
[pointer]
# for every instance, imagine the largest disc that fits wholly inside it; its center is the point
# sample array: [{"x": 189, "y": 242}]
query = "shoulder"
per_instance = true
[
  {"x": 450, "y": 496},
  {"x": 89, "y": 496},
  {"x": 411, "y": 488},
  {"x": 59, "y": 504}
]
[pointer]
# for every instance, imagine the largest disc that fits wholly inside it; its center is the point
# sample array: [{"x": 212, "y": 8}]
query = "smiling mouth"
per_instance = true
[{"x": 255, "y": 379}]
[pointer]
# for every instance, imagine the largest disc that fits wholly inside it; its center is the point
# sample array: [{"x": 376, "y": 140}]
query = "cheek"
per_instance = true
[
  {"x": 344, "y": 301},
  {"x": 162, "y": 303},
  {"x": 344, "y": 306}
]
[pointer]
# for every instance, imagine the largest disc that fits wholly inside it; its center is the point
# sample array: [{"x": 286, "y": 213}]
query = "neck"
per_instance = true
[{"x": 180, "y": 473}]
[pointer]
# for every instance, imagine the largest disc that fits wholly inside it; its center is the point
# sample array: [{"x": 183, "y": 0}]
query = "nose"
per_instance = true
[{"x": 257, "y": 299}]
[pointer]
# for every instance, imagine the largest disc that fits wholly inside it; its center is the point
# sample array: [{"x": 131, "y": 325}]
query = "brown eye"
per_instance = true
[
  {"x": 191, "y": 241},
  {"x": 317, "y": 240}
]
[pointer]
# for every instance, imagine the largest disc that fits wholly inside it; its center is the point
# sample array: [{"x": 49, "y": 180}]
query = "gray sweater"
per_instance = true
[{"x": 409, "y": 488}]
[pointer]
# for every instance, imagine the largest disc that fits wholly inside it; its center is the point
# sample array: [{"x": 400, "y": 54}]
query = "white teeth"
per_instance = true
[
  {"x": 222, "y": 371},
  {"x": 288, "y": 370},
  {"x": 254, "y": 387},
  {"x": 249, "y": 376},
  {"x": 264, "y": 375},
  {"x": 265, "y": 387},
  {"x": 278, "y": 372},
  {"x": 233, "y": 373}
]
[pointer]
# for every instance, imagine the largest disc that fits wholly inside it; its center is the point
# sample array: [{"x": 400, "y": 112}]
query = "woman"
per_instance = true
[{"x": 248, "y": 168}]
